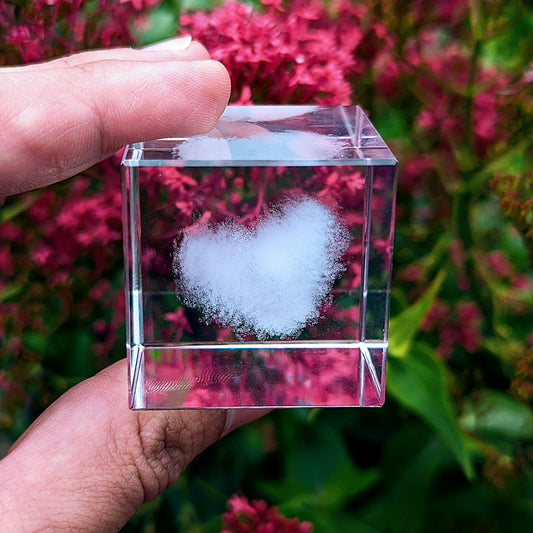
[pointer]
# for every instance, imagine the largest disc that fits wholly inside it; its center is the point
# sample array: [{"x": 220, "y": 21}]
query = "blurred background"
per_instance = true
[{"x": 449, "y": 85}]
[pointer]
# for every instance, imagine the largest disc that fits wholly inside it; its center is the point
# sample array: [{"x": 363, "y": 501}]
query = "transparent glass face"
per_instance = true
[{"x": 258, "y": 261}]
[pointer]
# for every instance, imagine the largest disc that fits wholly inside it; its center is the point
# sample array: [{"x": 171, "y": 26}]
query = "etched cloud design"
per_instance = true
[{"x": 269, "y": 280}]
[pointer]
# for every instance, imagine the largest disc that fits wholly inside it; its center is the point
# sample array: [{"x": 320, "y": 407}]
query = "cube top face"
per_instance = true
[
  {"x": 272, "y": 136},
  {"x": 258, "y": 260}
]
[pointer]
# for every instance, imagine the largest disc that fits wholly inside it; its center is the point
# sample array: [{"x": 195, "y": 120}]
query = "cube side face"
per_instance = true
[{"x": 252, "y": 282}]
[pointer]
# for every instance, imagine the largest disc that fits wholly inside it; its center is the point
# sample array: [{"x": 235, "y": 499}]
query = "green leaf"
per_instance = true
[
  {"x": 316, "y": 446},
  {"x": 346, "y": 483},
  {"x": 285, "y": 490},
  {"x": 497, "y": 414},
  {"x": 328, "y": 509},
  {"x": 515, "y": 160},
  {"x": 391, "y": 121},
  {"x": 419, "y": 383},
  {"x": 36, "y": 342},
  {"x": 509, "y": 47},
  {"x": 405, "y": 501},
  {"x": 403, "y": 327},
  {"x": 163, "y": 25},
  {"x": 10, "y": 291},
  {"x": 11, "y": 210},
  {"x": 196, "y": 5}
]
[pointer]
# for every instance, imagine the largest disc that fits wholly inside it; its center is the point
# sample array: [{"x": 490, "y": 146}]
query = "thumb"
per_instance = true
[{"x": 89, "y": 463}]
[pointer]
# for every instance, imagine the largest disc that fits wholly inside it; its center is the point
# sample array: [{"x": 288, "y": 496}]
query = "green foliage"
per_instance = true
[
  {"x": 404, "y": 326},
  {"x": 163, "y": 20},
  {"x": 420, "y": 383}
]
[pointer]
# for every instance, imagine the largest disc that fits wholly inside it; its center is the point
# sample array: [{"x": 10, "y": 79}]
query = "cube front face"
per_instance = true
[{"x": 258, "y": 262}]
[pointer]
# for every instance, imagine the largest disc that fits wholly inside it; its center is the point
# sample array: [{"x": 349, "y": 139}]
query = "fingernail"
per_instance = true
[
  {"x": 238, "y": 417},
  {"x": 177, "y": 44}
]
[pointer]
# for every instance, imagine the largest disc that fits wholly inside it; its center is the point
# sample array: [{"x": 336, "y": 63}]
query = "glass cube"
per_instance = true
[{"x": 258, "y": 261}]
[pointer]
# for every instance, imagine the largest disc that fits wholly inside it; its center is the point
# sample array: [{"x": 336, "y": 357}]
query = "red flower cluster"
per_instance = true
[
  {"x": 83, "y": 224},
  {"x": 296, "y": 55},
  {"x": 258, "y": 517},
  {"x": 458, "y": 327},
  {"x": 34, "y": 31},
  {"x": 442, "y": 117},
  {"x": 68, "y": 242}
]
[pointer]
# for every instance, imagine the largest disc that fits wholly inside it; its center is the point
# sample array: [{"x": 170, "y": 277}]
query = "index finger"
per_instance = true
[{"x": 59, "y": 120}]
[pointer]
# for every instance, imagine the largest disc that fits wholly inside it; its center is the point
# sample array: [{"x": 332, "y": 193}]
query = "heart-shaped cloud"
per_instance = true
[{"x": 269, "y": 280}]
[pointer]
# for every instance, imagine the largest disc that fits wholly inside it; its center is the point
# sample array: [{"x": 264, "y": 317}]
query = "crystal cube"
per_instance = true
[{"x": 258, "y": 260}]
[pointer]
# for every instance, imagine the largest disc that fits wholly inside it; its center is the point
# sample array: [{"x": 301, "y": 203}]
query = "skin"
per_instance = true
[{"x": 88, "y": 462}]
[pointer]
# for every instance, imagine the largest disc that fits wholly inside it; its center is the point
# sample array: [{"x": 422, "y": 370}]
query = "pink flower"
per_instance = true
[
  {"x": 457, "y": 328},
  {"x": 469, "y": 319},
  {"x": 413, "y": 272},
  {"x": 443, "y": 74},
  {"x": 257, "y": 46},
  {"x": 415, "y": 171},
  {"x": 28, "y": 40},
  {"x": 179, "y": 324},
  {"x": 46, "y": 28},
  {"x": 140, "y": 5},
  {"x": 498, "y": 262},
  {"x": 258, "y": 517},
  {"x": 7, "y": 264},
  {"x": 438, "y": 314}
]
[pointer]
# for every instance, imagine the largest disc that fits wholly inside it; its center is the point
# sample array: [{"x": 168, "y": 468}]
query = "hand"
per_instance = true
[{"x": 88, "y": 462}]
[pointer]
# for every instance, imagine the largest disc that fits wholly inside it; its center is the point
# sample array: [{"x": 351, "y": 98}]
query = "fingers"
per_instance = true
[
  {"x": 94, "y": 462},
  {"x": 65, "y": 115}
]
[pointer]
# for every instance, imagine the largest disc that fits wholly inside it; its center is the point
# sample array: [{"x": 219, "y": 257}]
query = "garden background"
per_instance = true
[{"x": 449, "y": 84}]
